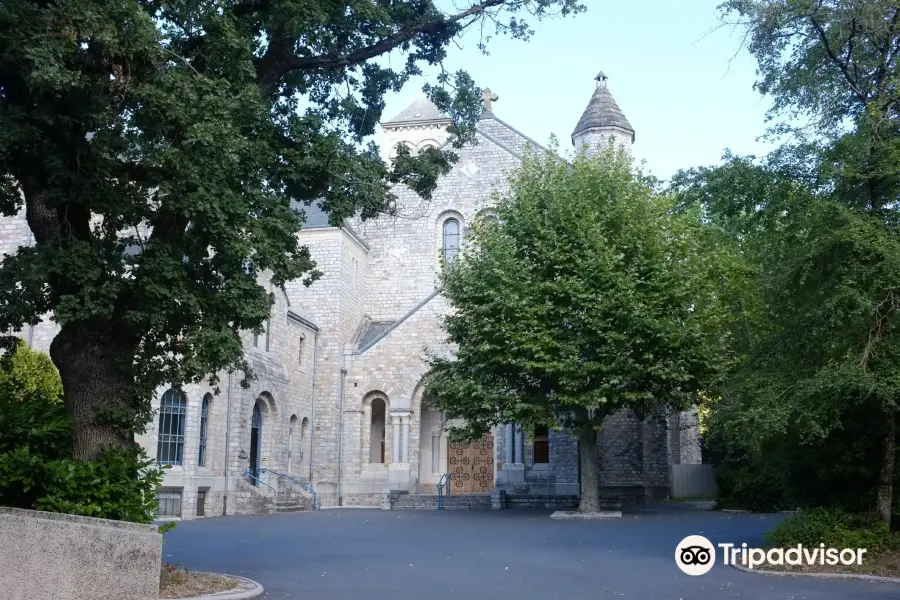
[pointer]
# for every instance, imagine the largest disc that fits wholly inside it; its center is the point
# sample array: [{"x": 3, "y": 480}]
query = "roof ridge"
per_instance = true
[
  {"x": 516, "y": 131},
  {"x": 422, "y": 110}
]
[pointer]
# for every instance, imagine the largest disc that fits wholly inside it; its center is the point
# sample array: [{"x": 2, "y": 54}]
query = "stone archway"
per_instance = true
[{"x": 432, "y": 444}]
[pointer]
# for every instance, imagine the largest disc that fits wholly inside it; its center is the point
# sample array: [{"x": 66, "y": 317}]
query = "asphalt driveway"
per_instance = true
[{"x": 353, "y": 554}]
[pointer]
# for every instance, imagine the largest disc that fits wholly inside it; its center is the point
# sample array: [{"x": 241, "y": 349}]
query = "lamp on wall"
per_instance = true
[{"x": 243, "y": 454}]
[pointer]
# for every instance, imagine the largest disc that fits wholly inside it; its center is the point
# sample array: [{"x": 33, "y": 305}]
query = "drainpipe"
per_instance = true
[
  {"x": 341, "y": 444},
  {"x": 312, "y": 424},
  {"x": 227, "y": 445}
]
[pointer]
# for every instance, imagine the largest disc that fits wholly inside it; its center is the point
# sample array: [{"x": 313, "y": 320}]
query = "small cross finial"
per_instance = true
[{"x": 487, "y": 98}]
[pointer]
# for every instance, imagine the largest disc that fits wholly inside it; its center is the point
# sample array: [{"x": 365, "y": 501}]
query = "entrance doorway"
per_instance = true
[
  {"x": 471, "y": 465},
  {"x": 255, "y": 439}
]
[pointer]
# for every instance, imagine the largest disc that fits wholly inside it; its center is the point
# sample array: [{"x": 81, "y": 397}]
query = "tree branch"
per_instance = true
[
  {"x": 277, "y": 63},
  {"x": 887, "y": 55},
  {"x": 851, "y": 80}
]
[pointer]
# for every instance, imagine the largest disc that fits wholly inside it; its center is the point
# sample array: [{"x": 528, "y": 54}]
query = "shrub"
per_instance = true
[
  {"x": 836, "y": 528},
  {"x": 751, "y": 487},
  {"x": 27, "y": 374},
  {"x": 37, "y": 470}
]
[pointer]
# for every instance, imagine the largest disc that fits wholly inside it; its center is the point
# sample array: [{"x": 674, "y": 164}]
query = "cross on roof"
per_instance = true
[{"x": 488, "y": 97}]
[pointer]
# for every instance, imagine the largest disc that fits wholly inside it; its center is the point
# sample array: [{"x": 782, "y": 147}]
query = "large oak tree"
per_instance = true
[{"x": 155, "y": 146}]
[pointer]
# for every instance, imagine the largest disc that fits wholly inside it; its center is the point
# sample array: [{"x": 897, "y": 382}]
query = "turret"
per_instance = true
[{"x": 602, "y": 122}]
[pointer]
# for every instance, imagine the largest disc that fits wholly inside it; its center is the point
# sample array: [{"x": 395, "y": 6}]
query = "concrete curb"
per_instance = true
[
  {"x": 873, "y": 578},
  {"x": 246, "y": 589},
  {"x": 741, "y": 511},
  {"x": 566, "y": 515}
]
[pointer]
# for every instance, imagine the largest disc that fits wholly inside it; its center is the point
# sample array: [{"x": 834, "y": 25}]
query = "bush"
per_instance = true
[
  {"x": 751, "y": 487},
  {"x": 37, "y": 470},
  {"x": 835, "y": 528}
]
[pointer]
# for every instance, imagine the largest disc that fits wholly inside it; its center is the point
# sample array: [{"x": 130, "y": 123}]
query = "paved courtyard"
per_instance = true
[{"x": 352, "y": 554}]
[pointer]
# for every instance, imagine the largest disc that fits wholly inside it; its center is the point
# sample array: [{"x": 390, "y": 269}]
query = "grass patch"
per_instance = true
[{"x": 175, "y": 582}]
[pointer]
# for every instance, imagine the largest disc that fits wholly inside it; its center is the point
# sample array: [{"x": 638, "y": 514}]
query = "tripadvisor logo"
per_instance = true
[{"x": 696, "y": 555}]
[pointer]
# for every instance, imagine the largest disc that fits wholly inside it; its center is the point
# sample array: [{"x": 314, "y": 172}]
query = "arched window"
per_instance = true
[
  {"x": 452, "y": 236},
  {"x": 204, "y": 419},
  {"x": 376, "y": 448},
  {"x": 541, "y": 445},
  {"x": 256, "y": 423},
  {"x": 304, "y": 440},
  {"x": 170, "y": 446},
  {"x": 292, "y": 425}
]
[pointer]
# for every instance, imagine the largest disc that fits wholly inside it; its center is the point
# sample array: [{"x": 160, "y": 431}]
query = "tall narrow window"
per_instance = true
[
  {"x": 300, "y": 341},
  {"x": 204, "y": 419},
  {"x": 541, "y": 445},
  {"x": 376, "y": 444},
  {"x": 170, "y": 447},
  {"x": 269, "y": 320},
  {"x": 451, "y": 239}
]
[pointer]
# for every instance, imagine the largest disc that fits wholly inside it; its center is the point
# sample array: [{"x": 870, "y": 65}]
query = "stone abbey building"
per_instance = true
[{"x": 339, "y": 405}]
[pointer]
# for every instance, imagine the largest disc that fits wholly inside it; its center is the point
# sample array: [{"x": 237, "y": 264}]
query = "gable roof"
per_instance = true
[
  {"x": 422, "y": 110},
  {"x": 602, "y": 110}
]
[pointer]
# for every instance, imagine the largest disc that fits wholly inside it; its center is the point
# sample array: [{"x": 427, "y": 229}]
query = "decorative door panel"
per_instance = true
[{"x": 471, "y": 465}]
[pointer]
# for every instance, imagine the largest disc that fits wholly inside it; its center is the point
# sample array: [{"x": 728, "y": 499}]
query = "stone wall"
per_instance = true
[
  {"x": 620, "y": 444},
  {"x": 283, "y": 387},
  {"x": 65, "y": 557}
]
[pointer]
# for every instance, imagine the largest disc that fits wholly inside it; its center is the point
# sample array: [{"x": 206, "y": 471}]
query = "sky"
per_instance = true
[{"x": 680, "y": 79}]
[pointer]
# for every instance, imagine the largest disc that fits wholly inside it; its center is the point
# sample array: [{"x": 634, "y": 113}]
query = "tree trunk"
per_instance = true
[
  {"x": 93, "y": 362},
  {"x": 590, "y": 471},
  {"x": 886, "y": 476}
]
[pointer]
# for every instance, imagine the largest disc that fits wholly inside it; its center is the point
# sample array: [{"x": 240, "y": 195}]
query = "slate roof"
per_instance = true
[
  {"x": 315, "y": 216},
  {"x": 602, "y": 110},
  {"x": 422, "y": 110}
]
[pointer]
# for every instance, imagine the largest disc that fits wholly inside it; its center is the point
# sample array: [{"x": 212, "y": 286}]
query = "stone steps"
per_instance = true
[
  {"x": 287, "y": 507},
  {"x": 430, "y": 502}
]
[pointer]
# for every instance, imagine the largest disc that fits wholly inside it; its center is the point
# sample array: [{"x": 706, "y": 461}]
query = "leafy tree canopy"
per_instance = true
[
  {"x": 589, "y": 294},
  {"x": 155, "y": 147}
]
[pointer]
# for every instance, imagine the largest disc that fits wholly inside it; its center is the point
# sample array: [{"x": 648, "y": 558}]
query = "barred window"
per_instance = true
[
  {"x": 451, "y": 239},
  {"x": 170, "y": 449},
  {"x": 169, "y": 502},
  {"x": 204, "y": 418}
]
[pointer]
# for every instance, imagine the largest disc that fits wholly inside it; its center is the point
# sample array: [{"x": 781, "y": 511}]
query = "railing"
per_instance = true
[
  {"x": 315, "y": 503},
  {"x": 442, "y": 484},
  {"x": 253, "y": 477}
]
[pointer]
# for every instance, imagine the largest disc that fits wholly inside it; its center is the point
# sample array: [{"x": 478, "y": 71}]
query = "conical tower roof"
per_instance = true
[
  {"x": 602, "y": 111},
  {"x": 422, "y": 110}
]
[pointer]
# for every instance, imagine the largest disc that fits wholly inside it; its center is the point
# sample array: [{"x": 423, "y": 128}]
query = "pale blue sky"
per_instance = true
[{"x": 669, "y": 69}]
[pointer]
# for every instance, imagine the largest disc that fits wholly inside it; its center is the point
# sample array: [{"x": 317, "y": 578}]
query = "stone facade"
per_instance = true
[{"x": 339, "y": 398}]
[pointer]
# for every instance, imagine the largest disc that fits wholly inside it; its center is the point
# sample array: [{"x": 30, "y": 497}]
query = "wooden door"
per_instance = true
[{"x": 471, "y": 466}]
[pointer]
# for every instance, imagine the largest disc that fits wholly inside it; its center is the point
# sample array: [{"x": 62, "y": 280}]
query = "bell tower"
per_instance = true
[{"x": 602, "y": 122}]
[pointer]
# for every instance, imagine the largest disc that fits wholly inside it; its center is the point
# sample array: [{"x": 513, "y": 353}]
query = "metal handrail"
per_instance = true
[
  {"x": 315, "y": 504},
  {"x": 258, "y": 480},
  {"x": 443, "y": 482}
]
